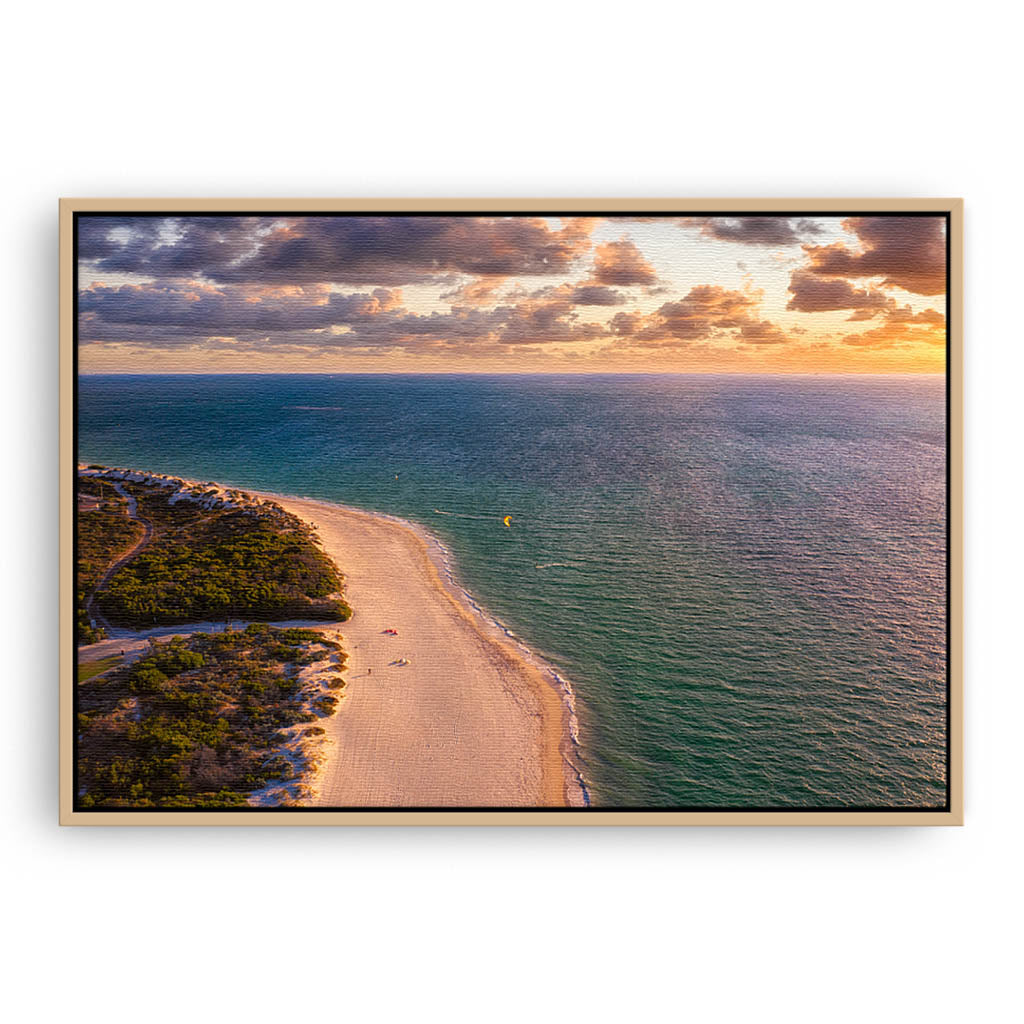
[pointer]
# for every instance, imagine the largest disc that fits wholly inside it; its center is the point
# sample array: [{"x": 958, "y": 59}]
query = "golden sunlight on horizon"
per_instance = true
[{"x": 516, "y": 294}]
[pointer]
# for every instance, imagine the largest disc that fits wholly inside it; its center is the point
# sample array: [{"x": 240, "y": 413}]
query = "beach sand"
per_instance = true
[{"x": 468, "y": 722}]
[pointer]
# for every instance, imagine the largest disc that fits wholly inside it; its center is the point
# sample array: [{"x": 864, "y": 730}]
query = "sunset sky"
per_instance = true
[{"x": 511, "y": 294}]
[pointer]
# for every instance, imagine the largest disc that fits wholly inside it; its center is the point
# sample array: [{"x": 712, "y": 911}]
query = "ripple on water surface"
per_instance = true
[{"x": 743, "y": 577}]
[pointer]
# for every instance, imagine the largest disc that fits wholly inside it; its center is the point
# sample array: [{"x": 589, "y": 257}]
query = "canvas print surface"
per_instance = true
[{"x": 511, "y": 510}]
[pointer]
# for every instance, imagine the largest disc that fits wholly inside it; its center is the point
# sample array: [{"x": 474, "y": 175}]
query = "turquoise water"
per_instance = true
[{"x": 742, "y": 577}]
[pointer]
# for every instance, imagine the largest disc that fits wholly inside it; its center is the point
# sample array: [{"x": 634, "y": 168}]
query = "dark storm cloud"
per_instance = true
[
  {"x": 175, "y": 314},
  {"x": 344, "y": 250},
  {"x": 907, "y": 252},
  {"x": 105, "y": 237},
  {"x": 210, "y": 309},
  {"x": 166, "y": 246},
  {"x": 771, "y": 231}
]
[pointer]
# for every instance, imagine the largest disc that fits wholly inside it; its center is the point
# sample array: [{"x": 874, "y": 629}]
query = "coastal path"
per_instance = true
[{"x": 133, "y": 513}]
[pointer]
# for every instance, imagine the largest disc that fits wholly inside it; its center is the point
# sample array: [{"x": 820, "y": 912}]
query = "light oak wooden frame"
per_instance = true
[{"x": 953, "y": 814}]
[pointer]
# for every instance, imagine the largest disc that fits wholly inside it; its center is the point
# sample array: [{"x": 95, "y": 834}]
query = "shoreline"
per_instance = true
[
  {"x": 475, "y": 719},
  {"x": 534, "y": 703}
]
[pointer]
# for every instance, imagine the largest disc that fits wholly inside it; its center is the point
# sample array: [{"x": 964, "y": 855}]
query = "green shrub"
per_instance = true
[
  {"x": 197, "y": 722},
  {"x": 222, "y": 564},
  {"x": 326, "y": 705}
]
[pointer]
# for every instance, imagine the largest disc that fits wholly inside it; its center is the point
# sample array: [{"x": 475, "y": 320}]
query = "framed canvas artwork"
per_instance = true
[{"x": 511, "y": 511}]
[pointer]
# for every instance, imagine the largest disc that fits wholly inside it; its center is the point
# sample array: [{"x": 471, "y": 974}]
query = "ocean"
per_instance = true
[{"x": 742, "y": 577}]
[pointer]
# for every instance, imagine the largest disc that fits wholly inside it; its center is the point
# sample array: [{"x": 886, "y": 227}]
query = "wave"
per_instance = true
[
  {"x": 442, "y": 558},
  {"x": 444, "y": 562},
  {"x": 561, "y": 684}
]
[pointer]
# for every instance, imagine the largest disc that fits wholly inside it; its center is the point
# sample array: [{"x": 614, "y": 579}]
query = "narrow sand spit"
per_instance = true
[{"x": 467, "y": 722}]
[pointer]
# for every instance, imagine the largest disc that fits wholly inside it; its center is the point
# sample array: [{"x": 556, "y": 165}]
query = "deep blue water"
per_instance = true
[{"x": 742, "y": 577}]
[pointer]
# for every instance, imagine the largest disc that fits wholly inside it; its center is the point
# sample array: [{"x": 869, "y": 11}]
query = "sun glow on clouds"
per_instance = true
[{"x": 200, "y": 294}]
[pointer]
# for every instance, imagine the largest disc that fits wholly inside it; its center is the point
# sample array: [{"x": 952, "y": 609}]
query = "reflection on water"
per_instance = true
[{"x": 744, "y": 577}]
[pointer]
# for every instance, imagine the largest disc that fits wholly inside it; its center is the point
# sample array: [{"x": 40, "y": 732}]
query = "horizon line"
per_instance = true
[{"x": 512, "y": 373}]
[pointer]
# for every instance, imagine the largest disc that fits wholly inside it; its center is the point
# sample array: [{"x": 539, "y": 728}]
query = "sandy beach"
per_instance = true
[{"x": 467, "y": 721}]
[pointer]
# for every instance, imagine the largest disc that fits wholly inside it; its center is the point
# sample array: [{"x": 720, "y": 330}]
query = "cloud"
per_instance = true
[
  {"x": 902, "y": 328},
  {"x": 813, "y": 294},
  {"x": 319, "y": 284},
  {"x": 905, "y": 315},
  {"x": 707, "y": 312},
  {"x": 546, "y": 317},
  {"x": 596, "y": 295},
  {"x": 354, "y": 250},
  {"x": 484, "y": 292},
  {"x": 480, "y": 292},
  {"x": 211, "y": 309},
  {"x": 621, "y": 263},
  {"x": 169, "y": 247},
  {"x": 626, "y": 324},
  {"x": 905, "y": 252},
  {"x": 177, "y": 314},
  {"x": 761, "y": 332},
  {"x": 705, "y": 308},
  {"x": 770, "y": 231}
]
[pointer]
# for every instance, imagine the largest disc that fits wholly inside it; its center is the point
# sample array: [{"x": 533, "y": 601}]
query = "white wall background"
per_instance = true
[{"x": 297, "y": 99}]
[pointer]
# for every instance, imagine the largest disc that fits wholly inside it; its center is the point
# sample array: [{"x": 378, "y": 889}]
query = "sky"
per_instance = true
[{"x": 321, "y": 294}]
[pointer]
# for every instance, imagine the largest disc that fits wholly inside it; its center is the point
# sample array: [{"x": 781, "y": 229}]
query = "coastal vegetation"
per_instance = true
[
  {"x": 206, "y": 560},
  {"x": 211, "y": 720},
  {"x": 105, "y": 532}
]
